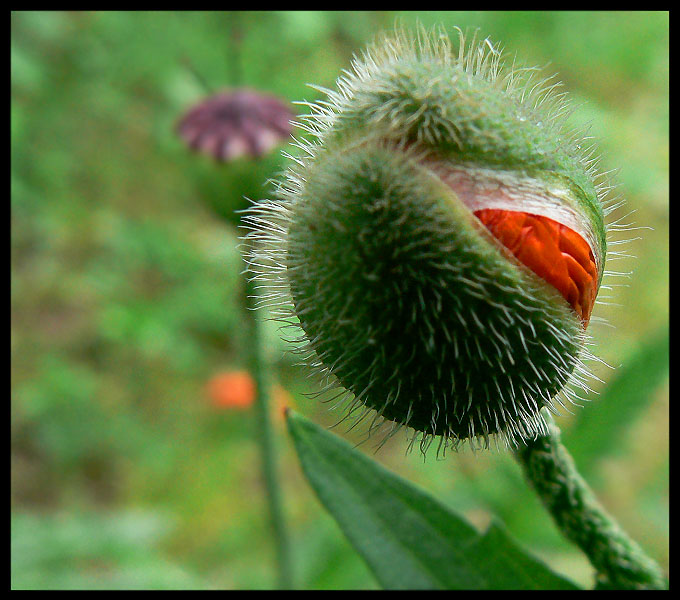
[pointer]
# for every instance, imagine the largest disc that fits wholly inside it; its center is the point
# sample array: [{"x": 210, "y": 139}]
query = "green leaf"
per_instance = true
[
  {"x": 409, "y": 539},
  {"x": 601, "y": 424}
]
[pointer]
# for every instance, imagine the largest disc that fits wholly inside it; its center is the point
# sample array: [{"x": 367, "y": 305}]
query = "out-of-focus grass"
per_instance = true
[{"x": 125, "y": 297}]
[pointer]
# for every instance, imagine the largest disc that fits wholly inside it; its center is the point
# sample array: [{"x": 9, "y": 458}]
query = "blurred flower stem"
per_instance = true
[
  {"x": 619, "y": 561},
  {"x": 260, "y": 369},
  {"x": 234, "y": 124},
  {"x": 202, "y": 82},
  {"x": 234, "y": 47}
]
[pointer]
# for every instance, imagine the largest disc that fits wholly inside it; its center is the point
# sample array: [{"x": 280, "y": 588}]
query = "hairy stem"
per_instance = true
[
  {"x": 619, "y": 561},
  {"x": 260, "y": 370}
]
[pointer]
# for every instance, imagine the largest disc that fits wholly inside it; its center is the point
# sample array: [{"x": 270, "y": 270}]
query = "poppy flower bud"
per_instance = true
[{"x": 441, "y": 242}]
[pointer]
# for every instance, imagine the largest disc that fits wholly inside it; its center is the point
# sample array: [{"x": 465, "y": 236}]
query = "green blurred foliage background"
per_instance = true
[{"x": 125, "y": 293}]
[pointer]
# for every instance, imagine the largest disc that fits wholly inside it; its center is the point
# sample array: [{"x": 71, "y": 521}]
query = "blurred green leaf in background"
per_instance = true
[{"x": 125, "y": 300}]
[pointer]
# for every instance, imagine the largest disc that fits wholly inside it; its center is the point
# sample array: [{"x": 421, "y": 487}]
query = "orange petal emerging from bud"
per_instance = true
[{"x": 554, "y": 252}]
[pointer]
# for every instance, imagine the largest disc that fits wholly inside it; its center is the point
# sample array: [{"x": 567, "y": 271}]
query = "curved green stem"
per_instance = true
[
  {"x": 619, "y": 561},
  {"x": 259, "y": 369}
]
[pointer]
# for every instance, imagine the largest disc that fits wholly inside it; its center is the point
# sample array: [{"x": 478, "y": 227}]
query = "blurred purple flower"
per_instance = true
[{"x": 234, "y": 123}]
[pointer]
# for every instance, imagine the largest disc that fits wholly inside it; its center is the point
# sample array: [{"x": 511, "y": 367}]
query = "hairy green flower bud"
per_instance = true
[{"x": 441, "y": 241}]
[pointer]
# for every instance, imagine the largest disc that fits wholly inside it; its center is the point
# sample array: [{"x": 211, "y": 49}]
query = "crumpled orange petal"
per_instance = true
[{"x": 554, "y": 252}]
